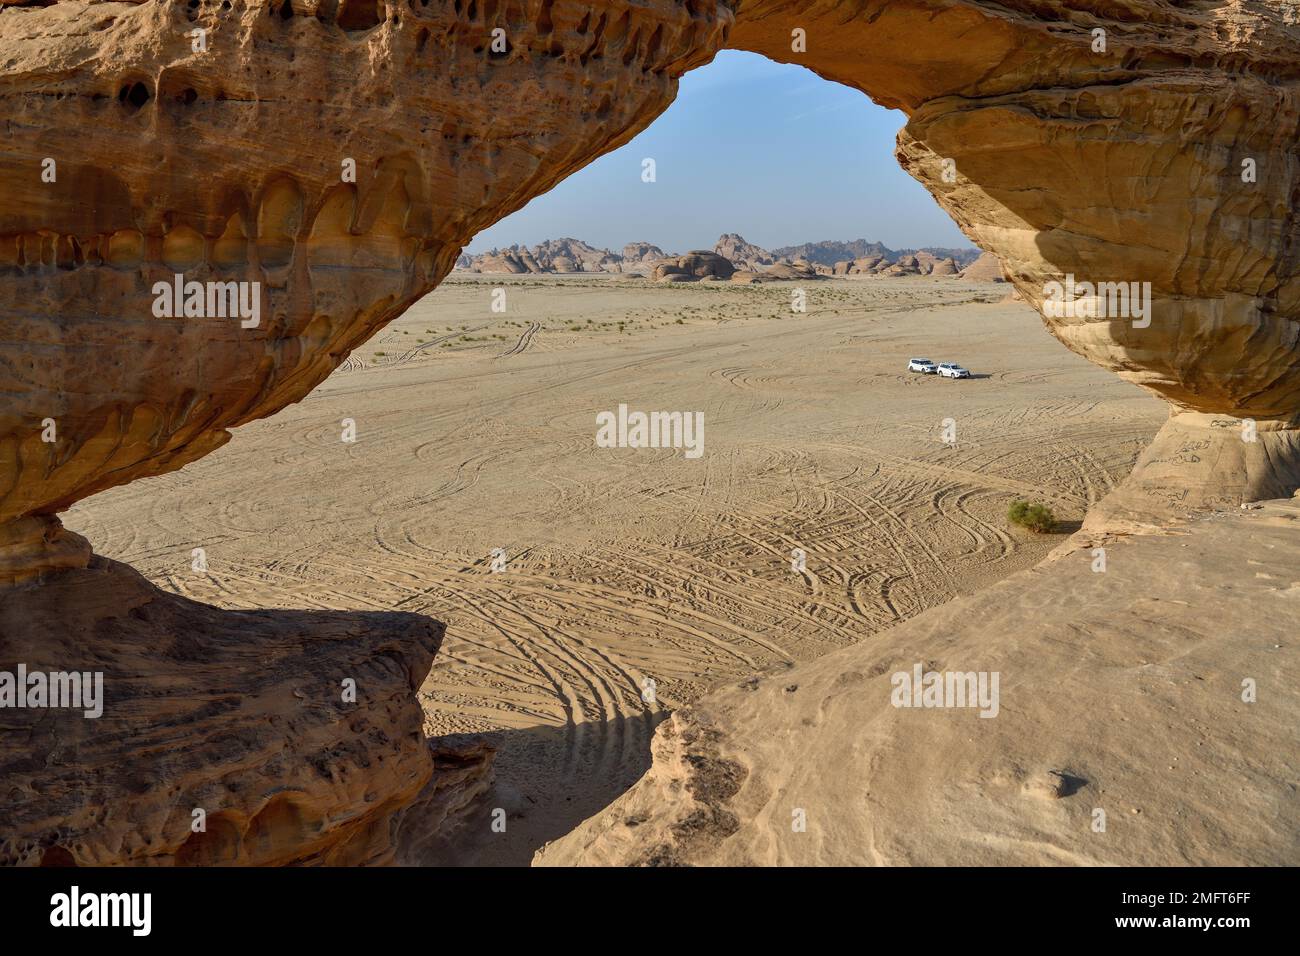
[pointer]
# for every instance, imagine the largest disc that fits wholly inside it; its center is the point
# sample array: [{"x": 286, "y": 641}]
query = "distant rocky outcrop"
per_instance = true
[
  {"x": 833, "y": 253},
  {"x": 798, "y": 269},
  {"x": 641, "y": 253},
  {"x": 574, "y": 255},
  {"x": 552, "y": 255},
  {"x": 494, "y": 261},
  {"x": 961, "y": 257},
  {"x": 858, "y": 257},
  {"x": 743, "y": 254},
  {"x": 695, "y": 265},
  {"x": 921, "y": 263},
  {"x": 925, "y": 262},
  {"x": 829, "y": 252},
  {"x": 867, "y": 265},
  {"x": 904, "y": 264}
]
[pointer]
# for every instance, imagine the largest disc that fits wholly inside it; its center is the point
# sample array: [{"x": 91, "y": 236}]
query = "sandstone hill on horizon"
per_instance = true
[{"x": 829, "y": 257}]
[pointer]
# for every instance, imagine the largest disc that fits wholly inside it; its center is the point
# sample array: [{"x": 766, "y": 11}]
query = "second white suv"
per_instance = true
[{"x": 952, "y": 370}]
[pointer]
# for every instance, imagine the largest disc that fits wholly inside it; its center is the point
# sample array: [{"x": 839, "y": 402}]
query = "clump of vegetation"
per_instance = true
[{"x": 1035, "y": 517}]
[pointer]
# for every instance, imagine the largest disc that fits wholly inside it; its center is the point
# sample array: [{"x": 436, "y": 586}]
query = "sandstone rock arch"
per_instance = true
[{"x": 1121, "y": 163}]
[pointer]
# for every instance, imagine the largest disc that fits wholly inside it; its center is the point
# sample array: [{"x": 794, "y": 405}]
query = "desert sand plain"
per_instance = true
[{"x": 475, "y": 431}]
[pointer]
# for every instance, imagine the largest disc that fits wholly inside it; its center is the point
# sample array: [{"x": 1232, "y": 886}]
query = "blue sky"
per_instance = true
[{"x": 768, "y": 150}]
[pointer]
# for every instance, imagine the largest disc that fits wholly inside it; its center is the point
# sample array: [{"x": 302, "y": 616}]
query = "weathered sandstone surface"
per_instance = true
[
  {"x": 1045, "y": 133},
  {"x": 239, "y": 714},
  {"x": 339, "y": 155},
  {"x": 1115, "y": 165},
  {"x": 1119, "y": 691},
  {"x": 1165, "y": 157},
  {"x": 231, "y": 164}
]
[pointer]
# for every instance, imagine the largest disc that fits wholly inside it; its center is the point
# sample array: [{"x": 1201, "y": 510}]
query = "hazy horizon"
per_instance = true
[{"x": 819, "y": 154}]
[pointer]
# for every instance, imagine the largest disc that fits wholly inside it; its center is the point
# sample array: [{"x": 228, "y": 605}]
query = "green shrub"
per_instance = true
[{"x": 1037, "y": 518}]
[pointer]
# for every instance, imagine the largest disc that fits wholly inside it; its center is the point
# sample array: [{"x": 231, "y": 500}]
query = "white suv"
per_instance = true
[
  {"x": 921, "y": 365},
  {"x": 952, "y": 370}
]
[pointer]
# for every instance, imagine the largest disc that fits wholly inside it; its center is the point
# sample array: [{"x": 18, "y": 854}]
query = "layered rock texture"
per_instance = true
[
  {"x": 336, "y": 156},
  {"x": 1114, "y": 143},
  {"x": 235, "y": 163}
]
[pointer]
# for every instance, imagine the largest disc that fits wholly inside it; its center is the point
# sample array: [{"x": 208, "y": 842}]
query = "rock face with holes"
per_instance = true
[
  {"x": 338, "y": 154},
  {"x": 1111, "y": 142},
  {"x": 333, "y": 158},
  {"x": 251, "y": 738},
  {"x": 329, "y": 159}
]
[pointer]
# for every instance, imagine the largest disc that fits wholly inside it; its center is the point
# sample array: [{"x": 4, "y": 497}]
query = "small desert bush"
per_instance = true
[{"x": 1037, "y": 518}]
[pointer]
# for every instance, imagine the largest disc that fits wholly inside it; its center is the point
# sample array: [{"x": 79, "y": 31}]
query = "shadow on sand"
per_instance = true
[{"x": 548, "y": 780}]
